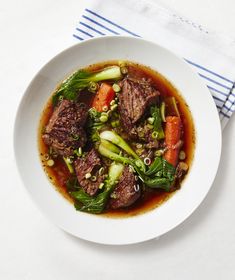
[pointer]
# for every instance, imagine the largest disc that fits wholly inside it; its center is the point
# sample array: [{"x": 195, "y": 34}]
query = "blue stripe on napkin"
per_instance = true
[{"x": 221, "y": 88}]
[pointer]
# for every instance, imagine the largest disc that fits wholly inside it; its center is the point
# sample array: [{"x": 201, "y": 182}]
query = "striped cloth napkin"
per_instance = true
[{"x": 210, "y": 54}]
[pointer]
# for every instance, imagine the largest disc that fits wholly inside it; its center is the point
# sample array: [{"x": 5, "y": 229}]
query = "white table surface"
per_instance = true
[{"x": 203, "y": 247}]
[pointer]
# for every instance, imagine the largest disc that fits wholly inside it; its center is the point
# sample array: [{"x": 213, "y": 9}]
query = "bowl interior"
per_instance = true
[{"x": 153, "y": 223}]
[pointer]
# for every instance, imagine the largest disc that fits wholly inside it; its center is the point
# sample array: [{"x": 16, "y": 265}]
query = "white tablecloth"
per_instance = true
[{"x": 31, "y": 247}]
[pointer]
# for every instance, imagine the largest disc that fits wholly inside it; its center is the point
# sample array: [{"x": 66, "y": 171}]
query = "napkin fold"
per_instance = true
[{"x": 210, "y": 54}]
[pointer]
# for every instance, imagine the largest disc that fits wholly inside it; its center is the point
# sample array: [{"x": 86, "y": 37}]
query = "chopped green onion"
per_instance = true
[
  {"x": 93, "y": 178},
  {"x": 159, "y": 153},
  {"x": 61, "y": 97},
  {"x": 182, "y": 155},
  {"x": 87, "y": 175},
  {"x": 104, "y": 118},
  {"x": 154, "y": 134},
  {"x": 113, "y": 195},
  {"x": 101, "y": 171},
  {"x": 116, "y": 88},
  {"x": 150, "y": 126},
  {"x": 150, "y": 120},
  {"x": 50, "y": 162},
  {"x": 105, "y": 108},
  {"x": 101, "y": 186},
  {"x": 113, "y": 107},
  {"x": 112, "y": 102},
  {"x": 139, "y": 145},
  {"x": 147, "y": 161},
  {"x": 93, "y": 86}
]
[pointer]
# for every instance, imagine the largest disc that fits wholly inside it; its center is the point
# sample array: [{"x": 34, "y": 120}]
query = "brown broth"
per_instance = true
[{"x": 150, "y": 199}]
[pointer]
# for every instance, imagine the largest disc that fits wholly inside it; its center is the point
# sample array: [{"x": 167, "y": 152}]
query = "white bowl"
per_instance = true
[{"x": 153, "y": 223}]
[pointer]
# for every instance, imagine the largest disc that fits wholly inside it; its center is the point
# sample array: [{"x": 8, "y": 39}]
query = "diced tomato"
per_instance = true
[{"x": 103, "y": 97}]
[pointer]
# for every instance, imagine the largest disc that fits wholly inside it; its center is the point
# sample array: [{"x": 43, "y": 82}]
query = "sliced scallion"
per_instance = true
[
  {"x": 147, "y": 161},
  {"x": 101, "y": 171},
  {"x": 159, "y": 153},
  {"x": 105, "y": 108},
  {"x": 50, "y": 162},
  {"x": 93, "y": 178},
  {"x": 101, "y": 186},
  {"x": 150, "y": 120},
  {"x": 113, "y": 107},
  {"x": 112, "y": 102},
  {"x": 182, "y": 155},
  {"x": 87, "y": 175},
  {"x": 116, "y": 88},
  {"x": 154, "y": 134},
  {"x": 163, "y": 111},
  {"x": 93, "y": 86}
]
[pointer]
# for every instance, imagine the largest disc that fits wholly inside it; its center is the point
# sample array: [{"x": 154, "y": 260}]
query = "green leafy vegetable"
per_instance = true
[
  {"x": 81, "y": 79},
  {"x": 96, "y": 205},
  {"x": 114, "y": 138},
  {"x": 157, "y": 123},
  {"x": 94, "y": 125},
  {"x": 160, "y": 173},
  {"x": 155, "y": 166},
  {"x": 158, "y": 182},
  {"x": 72, "y": 184}
]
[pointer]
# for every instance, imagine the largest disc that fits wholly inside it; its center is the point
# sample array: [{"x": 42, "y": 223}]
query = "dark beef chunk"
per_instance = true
[
  {"x": 64, "y": 131},
  {"x": 135, "y": 97},
  {"x": 126, "y": 191},
  {"x": 89, "y": 164}
]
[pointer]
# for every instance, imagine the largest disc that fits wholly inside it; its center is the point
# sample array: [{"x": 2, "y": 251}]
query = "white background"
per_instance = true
[{"x": 203, "y": 247}]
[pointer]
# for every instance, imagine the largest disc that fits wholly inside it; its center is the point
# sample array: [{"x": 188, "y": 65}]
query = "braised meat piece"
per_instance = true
[
  {"x": 86, "y": 168},
  {"x": 64, "y": 132},
  {"x": 126, "y": 192},
  {"x": 135, "y": 97}
]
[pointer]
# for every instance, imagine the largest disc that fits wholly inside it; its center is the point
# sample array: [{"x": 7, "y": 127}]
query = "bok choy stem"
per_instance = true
[
  {"x": 81, "y": 79},
  {"x": 91, "y": 204},
  {"x": 160, "y": 174}
]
